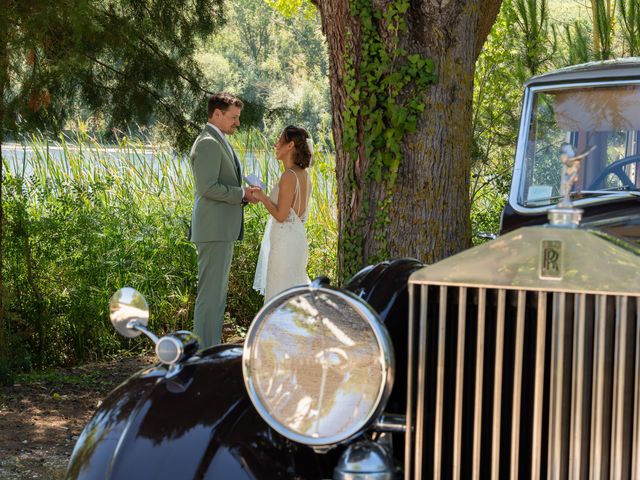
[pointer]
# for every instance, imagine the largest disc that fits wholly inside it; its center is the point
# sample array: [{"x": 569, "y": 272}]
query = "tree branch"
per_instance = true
[
  {"x": 159, "y": 53},
  {"x": 488, "y": 13},
  {"x": 179, "y": 118}
]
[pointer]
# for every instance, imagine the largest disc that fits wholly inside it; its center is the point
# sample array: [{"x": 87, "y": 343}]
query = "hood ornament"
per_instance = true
[{"x": 565, "y": 214}]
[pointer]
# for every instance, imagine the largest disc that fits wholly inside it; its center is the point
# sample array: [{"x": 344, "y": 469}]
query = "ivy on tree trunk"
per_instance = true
[{"x": 401, "y": 87}]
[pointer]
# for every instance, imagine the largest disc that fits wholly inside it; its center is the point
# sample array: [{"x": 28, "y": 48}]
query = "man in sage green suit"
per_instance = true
[{"x": 217, "y": 218}]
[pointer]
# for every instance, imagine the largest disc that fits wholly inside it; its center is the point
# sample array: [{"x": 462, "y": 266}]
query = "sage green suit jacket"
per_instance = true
[{"x": 217, "y": 205}]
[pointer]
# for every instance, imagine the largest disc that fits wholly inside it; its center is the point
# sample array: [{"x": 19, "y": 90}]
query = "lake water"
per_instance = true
[{"x": 18, "y": 158}]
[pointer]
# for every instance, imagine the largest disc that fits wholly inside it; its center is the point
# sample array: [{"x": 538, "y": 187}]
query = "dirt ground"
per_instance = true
[{"x": 41, "y": 420}]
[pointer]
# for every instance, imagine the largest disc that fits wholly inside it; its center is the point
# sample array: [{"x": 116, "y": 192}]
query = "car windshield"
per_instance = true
[{"x": 601, "y": 120}]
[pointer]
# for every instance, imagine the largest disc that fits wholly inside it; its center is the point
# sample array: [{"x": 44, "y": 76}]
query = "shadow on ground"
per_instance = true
[{"x": 40, "y": 420}]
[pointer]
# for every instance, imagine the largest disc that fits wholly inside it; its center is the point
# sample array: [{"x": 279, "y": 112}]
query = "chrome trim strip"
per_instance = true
[
  {"x": 497, "y": 385},
  {"x": 635, "y": 442},
  {"x": 422, "y": 384},
  {"x": 457, "y": 426},
  {"x": 595, "y": 467},
  {"x": 408, "y": 439},
  {"x": 477, "y": 409},
  {"x": 517, "y": 384},
  {"x": 556, "y": 384},
  {"x": 620, "y": 371},
  {"x": 538, "y": 393},
  {"x": 391, "y": 422},
  {"x": 577, "y": 418},
  {"x": 518, "y": 164},
  {"x": 442, "y": 333}
]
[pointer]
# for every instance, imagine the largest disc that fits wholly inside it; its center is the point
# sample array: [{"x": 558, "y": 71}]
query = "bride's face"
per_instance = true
[{"x": 283, "y": 148}]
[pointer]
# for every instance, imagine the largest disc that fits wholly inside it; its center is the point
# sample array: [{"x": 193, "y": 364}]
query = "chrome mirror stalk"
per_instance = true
[{"x": 140, "y": 327}]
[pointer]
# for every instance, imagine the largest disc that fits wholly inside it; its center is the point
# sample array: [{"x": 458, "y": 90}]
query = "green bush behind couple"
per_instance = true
[{"x": 95, "y": 221}]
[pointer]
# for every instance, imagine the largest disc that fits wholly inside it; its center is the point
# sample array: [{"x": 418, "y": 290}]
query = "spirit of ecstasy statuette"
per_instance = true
[
  {"x": 570, "y": 169},
  {"x": 564, "y": 214}
]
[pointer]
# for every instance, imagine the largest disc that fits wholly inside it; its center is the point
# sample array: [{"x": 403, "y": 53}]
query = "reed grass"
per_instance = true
[{"x": 83, "y": 219}]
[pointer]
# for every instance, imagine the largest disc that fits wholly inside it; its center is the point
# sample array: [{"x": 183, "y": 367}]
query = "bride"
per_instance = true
[{"x": 284, "y": 252}]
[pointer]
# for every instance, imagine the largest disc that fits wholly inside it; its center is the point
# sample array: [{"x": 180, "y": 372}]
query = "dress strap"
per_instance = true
[{"x": 296, "y": 192}]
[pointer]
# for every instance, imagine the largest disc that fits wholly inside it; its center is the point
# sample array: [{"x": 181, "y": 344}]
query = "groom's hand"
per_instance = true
[{"x": 249, "y": 194}]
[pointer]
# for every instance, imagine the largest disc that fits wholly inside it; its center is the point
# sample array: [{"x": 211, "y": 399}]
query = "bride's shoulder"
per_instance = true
[
  {"x": 288, "y": 178},
  {"x": 288, "y": 175}
]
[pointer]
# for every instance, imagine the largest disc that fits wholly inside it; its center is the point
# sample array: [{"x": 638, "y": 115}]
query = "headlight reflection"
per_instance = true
[{"x": 317, "y": 365}]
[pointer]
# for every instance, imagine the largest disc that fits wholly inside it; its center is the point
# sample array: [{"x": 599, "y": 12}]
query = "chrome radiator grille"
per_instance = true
[{"x": 516, "y": 383}]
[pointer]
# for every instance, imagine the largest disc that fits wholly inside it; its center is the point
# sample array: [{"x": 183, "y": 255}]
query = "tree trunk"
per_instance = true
[
  {"x": 596, "y": 27},
  {"x": 427, "y": 207}
]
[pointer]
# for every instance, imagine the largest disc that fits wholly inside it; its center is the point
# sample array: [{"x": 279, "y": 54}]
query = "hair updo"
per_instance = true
[{"x": 298, "y": 135}]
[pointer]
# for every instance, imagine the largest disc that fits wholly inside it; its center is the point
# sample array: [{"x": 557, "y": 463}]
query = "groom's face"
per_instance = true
[{"x": 228, "y": 120}]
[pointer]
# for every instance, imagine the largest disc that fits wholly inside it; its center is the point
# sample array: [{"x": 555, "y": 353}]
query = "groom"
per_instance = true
[{"x": 217, "y": 218}]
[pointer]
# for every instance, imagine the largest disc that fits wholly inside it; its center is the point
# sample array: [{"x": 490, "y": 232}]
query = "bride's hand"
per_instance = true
[
  {"x": 260, "y": 196},
  {"x": 249, "y": 194}
]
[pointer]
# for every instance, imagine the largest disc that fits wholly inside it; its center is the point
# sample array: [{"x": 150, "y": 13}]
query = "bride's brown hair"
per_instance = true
[{"x": 298, "y": 135}]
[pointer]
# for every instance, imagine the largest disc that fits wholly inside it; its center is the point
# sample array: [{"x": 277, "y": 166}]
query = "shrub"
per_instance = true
[{"x": 82, "y": 220}]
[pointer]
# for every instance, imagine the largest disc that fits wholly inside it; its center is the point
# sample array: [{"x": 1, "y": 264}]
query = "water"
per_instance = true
[
  {"x": 19, "y": 158},
  {"x": 72, "y": 158}
]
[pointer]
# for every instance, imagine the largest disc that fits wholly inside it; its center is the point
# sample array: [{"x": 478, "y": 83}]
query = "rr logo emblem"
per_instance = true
[{"x": 551, "y": 259}]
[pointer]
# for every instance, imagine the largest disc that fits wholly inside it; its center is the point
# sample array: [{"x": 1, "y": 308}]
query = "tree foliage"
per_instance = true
[
  {"x": 130, "y": 59},
  {"x": 610, "y": 30},
  {"x": 504, "y": 63},
  {"x": 293, "y": 8},
  {"x": 630, "y": 26},
  {"x": 534, "y": 40},
  {"x": 276, "y": 60}
]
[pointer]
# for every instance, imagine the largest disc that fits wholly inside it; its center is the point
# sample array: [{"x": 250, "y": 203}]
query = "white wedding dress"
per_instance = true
[{"x": 284, "y": 252}]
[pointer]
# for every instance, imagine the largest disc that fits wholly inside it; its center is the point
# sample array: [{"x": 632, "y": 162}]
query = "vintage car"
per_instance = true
[{"x": 519, "y": 358}]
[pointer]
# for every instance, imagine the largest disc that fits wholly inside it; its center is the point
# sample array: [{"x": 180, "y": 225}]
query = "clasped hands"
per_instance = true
[{"x": 252, "y": 194}]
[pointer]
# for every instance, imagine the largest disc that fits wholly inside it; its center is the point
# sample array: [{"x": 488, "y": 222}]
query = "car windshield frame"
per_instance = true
[{"x": 549, "y": 196}]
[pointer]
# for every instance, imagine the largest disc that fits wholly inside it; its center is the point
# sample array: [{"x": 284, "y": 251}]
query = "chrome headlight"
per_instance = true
[{"x": 318, "y": 364}]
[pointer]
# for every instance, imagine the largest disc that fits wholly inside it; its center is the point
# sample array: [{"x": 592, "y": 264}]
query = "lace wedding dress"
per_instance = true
[{"x": 284, "y": 252}]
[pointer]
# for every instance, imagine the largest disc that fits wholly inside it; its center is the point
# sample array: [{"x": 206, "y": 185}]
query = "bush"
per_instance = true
[{"x": 82, "y": 225}]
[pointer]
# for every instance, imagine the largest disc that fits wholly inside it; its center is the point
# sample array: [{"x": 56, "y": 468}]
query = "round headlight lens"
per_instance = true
[{"x": 318, "y": 364}]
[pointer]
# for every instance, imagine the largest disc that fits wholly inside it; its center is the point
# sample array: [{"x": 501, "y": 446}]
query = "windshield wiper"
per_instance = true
[{"x": 617, "y": 192}]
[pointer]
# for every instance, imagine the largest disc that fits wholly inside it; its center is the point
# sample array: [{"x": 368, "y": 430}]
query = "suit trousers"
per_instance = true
[{"x": 214, "y": 264}]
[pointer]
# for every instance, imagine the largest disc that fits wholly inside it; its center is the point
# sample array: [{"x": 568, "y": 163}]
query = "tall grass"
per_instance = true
[{"x": 83, "y": 219}]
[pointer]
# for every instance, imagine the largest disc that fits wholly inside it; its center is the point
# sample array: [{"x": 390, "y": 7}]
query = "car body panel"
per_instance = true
[{"x": 200, "y": 422}]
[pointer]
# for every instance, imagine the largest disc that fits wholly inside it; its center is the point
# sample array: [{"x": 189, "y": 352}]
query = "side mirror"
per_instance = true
[
  {"x": 129, "y": 314},
  {"x": 128, "y": 309}
]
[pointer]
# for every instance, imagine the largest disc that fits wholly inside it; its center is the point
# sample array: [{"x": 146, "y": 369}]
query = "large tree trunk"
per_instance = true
[{"x": 427, "y": 208}]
